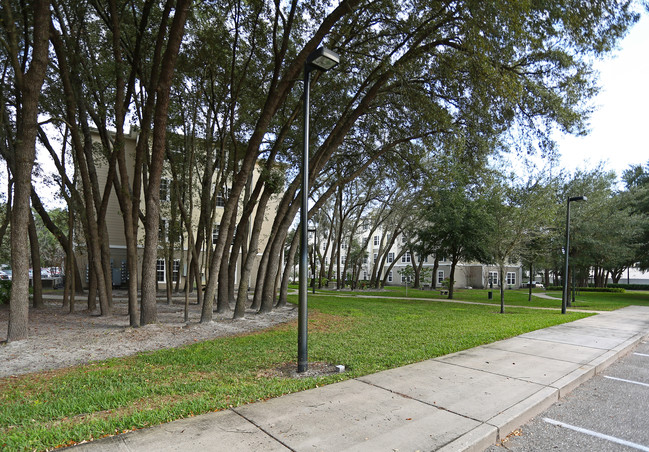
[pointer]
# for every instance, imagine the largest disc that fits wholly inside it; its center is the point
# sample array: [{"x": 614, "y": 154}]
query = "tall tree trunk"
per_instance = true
[
  {"x": 29, "y": 86},
  {"x": 36, "y": 263},
  {"x": 149, "y": 312}
]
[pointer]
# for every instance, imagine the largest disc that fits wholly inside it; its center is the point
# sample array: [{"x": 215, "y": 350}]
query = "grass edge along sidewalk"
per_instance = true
[{"x": 50, "y": 409}]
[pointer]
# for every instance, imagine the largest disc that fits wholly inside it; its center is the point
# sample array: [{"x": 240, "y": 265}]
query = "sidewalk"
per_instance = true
[{"x": 463, "y": 401}]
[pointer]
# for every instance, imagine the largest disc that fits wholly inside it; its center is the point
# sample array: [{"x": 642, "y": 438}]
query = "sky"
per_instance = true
[{"x": 619, "y": 128}]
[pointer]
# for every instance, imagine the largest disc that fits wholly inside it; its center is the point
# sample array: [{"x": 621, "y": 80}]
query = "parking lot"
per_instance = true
[{"x": 607, "y": 413}]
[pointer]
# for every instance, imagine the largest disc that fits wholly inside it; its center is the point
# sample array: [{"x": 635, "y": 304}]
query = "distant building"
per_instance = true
[{"x": 467, "y": 274}]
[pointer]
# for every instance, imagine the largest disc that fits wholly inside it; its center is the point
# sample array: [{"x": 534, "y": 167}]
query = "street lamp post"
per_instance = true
[
  {"x": 564, "y": 298},
  {"x": 322, "y": 59}
]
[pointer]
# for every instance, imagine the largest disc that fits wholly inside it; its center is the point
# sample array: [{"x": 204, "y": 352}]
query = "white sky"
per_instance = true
[{"x": 619, "y": 127}]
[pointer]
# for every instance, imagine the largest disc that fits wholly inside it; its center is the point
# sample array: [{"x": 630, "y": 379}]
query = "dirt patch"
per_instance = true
[
  {"x": 58, "y": 339},
  {"x": 314, "y": 369}
]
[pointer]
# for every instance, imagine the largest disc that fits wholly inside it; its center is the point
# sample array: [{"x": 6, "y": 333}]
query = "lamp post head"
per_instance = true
[
  {"x": 323, "y": 59},
  {"x": 577, "y": 198}
]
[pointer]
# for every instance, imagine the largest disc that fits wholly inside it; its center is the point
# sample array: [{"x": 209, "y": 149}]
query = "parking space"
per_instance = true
[{"x": 607, "y": 413}]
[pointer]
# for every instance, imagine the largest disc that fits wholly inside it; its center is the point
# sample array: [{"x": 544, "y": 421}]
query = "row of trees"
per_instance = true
[
  {"x": 489, "y": 217},
  {"x": 417, "y": 82}
]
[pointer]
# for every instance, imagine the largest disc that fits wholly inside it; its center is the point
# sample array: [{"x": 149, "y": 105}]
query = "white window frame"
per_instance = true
[
  {"x": 161, "y": 274},
  {"x": 494, "y": 277},
  {"x": 376, "y": 240},
  {"x": 511, "y": 278},
  {"x": 440, "y": 276},
  {"x": 390, "y": 276},
  {"x": 406, "y": 258},
  {"x": 215, "y": 234},
  {"x": 390, "y": 258},
  {"x": 364, "y": 275},
  {"x": 175, "y": 273}
]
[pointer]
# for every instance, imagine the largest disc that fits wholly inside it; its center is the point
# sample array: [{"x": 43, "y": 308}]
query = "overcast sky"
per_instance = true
[{"x": 619, "y": 128}]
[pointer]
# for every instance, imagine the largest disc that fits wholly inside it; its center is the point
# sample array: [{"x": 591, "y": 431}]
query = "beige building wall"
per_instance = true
[{"x": 117, "y": 240}]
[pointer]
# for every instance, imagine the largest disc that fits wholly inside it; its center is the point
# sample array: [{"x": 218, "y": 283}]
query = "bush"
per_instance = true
[
  {"x": 591, "y": 289},
  {"x": 5, "y": 291},
  {"x": 630, "y": 286}
]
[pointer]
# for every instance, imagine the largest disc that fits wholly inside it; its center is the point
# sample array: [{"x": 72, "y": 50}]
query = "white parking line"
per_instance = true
[
  {"x": 627, "y": 381},
  {"x": 641, "y": 354},
  {"x": 597, "y": 435}
]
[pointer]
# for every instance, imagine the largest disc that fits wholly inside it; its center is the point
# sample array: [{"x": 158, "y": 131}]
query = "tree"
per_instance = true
[
  {"x": 636, "y": 179},
  {"x": 518, "y": 209},
  {"x": 456, "y": 224},
  {"x": 27, "y": 53}
]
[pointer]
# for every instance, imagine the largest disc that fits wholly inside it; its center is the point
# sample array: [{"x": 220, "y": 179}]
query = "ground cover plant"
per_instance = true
[{"x": 55, "y": 408}]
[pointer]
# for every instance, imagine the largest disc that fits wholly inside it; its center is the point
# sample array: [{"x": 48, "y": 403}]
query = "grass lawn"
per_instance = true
[
  {"x": 597, "y": 301},
  {"x": 367, "y": 335}
]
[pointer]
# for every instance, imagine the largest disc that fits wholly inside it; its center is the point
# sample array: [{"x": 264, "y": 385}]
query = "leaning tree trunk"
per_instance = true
[{"x": 283, "y": 290}]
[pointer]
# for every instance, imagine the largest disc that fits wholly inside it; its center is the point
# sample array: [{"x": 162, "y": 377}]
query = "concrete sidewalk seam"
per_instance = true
[
  {"x": 406, "y": 396},
  {"x": 261, "y": 429}
]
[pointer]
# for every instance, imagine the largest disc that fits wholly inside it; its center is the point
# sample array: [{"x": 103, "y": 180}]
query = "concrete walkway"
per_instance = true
[{"x": 463, "y": 401}]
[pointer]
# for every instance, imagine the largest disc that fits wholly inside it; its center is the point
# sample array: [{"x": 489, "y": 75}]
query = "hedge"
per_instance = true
[
  {"x": 591, "y": 289},
  {"x": 631, "y": 286}
]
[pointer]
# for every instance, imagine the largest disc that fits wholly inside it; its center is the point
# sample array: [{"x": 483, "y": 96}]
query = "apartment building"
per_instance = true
[{"x": 117, "y": 240}]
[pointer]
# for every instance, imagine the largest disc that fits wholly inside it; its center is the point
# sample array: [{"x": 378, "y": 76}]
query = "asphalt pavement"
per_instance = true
[
  {"x": 607, "y": 413},
  {"x": 464, "y": 401}
]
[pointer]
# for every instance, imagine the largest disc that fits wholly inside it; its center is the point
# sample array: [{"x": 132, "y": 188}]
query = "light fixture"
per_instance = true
[
  {"x": 564, "y": 298},
  {"x": 322, "y": 59}
]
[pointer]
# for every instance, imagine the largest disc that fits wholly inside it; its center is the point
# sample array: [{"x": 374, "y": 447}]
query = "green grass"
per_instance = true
[
  {"x": 597, "y": 301},
  {"x": 367, "y": 335}
]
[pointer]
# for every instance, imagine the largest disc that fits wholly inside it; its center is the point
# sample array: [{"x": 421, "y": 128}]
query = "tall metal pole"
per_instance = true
[
  {"x": 564, "y": 298},
  {"x": 302, "y": 348}
]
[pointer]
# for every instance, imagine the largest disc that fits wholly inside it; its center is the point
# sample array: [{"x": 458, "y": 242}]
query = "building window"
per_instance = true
[
  {"x": 493, "y": 278},
  {"x": 376, "y": 256},
  {"x": 160, "y": 270},
  {"x": 164, "y": 189},
  {"x": 390, "y": 258},
  {"x": 511, "y": 278},
  {"x": 405, "y": 259},
  {"x": 162, "y": 230},
  {"x": 440, "y": 276},
  {"x": 405, "y": 278},
  {"x": 425, "y": 259},
  {"x": 343, "y": 245},
  {"x": 364, "y": 275},
  {"x": 365, "y": 259},
  {"x": 390, "y": 276},
  {"x": 215, "y": 235},
  {"x": 376, "y": 240},
  {"x": 222, "y": 197},
  {"x": 176, "y": 270},
  {"x": 404, "y": 239}
]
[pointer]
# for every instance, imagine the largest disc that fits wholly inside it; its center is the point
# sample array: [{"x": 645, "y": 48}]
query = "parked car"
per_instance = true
[
  {"x": 4, "y": 276},
  {"x": 537, "y": 285}
]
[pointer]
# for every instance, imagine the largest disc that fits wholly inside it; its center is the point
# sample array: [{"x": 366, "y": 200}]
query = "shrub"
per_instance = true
[
  {"x": 591, "y": 289},
  {"x": 630, "y": 286},
  {"x": 5, "y": 291}
]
